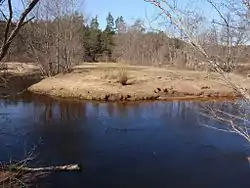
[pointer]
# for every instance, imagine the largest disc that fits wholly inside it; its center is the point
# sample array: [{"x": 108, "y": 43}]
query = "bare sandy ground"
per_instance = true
[
  {"x": 17, "y": 68},
  {"x": 100, "y": 81}
]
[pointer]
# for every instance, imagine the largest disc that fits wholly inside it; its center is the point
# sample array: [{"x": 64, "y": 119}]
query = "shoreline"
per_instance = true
[
  {"x": 133, "y": 97},
  {"x": 159, "y": 99},
  {"x": 102, "y": 82}
]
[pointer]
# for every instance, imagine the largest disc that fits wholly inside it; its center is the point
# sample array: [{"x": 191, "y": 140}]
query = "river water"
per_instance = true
[{"x": 153, "y": 144}]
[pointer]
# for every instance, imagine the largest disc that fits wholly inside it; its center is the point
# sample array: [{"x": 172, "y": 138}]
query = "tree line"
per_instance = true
[
  {"x": 60, "y": 37},
  {"x": 60, "y": 42}
]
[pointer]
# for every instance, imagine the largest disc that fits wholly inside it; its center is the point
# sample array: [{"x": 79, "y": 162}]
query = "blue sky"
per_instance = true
[
  {"x": 129, "y": 9},
  {"x": 132, "y": 9}
]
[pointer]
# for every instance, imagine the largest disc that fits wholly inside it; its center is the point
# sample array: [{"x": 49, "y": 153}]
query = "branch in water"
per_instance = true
[{"x": 72, "y": 167}]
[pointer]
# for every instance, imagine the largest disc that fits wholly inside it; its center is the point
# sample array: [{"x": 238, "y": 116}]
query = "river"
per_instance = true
[{"x": 149, "y": 144}]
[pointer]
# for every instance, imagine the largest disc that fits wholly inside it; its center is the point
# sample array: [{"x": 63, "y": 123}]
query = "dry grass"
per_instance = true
[
  {"x": 119, "y": 73},
  {"x": 101, "y": 81},
  {"x": 122, "y": 77}
]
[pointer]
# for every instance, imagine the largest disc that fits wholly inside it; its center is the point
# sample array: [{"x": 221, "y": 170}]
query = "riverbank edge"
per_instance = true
[
  {"x": 102, "y": 82},
  {"x": 114, "y": 97}
]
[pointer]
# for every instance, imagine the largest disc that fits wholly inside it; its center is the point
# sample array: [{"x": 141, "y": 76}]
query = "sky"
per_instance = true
[
  {"x": 133, "y": 9},
  {"x": 129, "y": 9}
]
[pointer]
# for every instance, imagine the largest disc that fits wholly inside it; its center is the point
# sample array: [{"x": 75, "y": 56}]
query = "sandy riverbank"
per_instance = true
[{"x": 100, "y": 81}]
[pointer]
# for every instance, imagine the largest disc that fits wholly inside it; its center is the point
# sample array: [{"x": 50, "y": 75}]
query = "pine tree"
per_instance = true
[
  {"x": 107, "y": 39},
  {"x": 92, "y": 40},
  {"x": 94, "y": 24},
  {"x": 86, "y": 43},
  {"x": 110, "y": 24},
  {"x": 120, "y": 25}
]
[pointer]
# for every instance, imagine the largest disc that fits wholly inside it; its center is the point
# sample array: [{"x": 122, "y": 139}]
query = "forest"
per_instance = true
[{"x": 60, "y": 37}]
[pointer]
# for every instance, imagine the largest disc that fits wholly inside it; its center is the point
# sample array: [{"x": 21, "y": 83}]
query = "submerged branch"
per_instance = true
[
  {"x": 21, "y": 175},
  {"x": 71, "y": 167}
]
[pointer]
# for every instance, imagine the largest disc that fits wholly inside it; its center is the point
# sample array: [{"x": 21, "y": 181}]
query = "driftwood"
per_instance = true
[
  {"x": 19, "y": 174},
  {"x": 71, "y": 167}
]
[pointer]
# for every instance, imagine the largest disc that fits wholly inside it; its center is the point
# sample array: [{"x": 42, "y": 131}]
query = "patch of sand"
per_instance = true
[
  {"x": 99, "y": 81},
  {"x": 18, "y": 68}
]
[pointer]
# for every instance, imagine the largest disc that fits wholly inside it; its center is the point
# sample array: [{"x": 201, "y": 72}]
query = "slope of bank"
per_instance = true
[
  {"x": 103, "y": 82},
  {"x": 16, "y": 77}
]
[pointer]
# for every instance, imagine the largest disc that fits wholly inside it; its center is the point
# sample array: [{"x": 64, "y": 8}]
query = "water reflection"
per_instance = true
[
  {"x": 153, "y": 144},
  {"x": 47, "y": 109}
]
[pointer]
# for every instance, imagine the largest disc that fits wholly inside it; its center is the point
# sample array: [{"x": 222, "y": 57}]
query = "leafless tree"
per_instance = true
[
  {"x": 58, "y": 32},
  {"x": 237, "y": 123},
  {"x": 138, "y": 45},
  {"x": 9, "y": 34}
]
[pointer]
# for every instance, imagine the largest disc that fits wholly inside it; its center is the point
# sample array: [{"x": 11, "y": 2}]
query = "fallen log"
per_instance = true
[
  {"x": 15, "y": 173},
  {"x": 72, "y": 167}
]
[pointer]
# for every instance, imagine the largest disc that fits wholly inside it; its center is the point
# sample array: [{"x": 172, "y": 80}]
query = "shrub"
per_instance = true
[{"x": 122, "y": 77}]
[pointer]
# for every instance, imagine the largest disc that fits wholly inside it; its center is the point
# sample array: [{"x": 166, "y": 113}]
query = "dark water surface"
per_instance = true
[{"x": 154, "y": 144}]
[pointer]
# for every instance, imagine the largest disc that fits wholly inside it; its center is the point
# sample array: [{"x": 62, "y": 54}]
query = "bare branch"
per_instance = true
[
  {"x": 219, "y": 12},
  {"x": 5, "y": 17},
  {"x": 195, "y": 44},
  {"x": 1, "y": 2},
  {"x": 29, "y": 20},
  {"x": 7, "y": 28},
  {"x": 6, "y": 45},
  {"x": 246, "y": 3}
]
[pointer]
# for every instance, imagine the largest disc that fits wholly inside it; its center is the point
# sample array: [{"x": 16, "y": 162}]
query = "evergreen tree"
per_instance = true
[
  {"x": 120, "y": 25},
  {"x": 110, "y": 24},
  {"x": 86, "y": 43},
  {"x": 92, "y": 40},
  {"x": 94, "y": 24},
  {"x": 107, "y": 37}
]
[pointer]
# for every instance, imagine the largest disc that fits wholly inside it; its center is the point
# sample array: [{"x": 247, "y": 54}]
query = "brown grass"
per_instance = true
[
  {"x": 104, "y": 81},
  {"x": 122, "y": 77}
]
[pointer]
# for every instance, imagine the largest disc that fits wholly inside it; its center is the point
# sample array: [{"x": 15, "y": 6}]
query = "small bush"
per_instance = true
[{"x": 122, "y": 77}]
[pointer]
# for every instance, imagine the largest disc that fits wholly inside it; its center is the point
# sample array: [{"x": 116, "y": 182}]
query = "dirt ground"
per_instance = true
[{"x": 100, "y": 81}]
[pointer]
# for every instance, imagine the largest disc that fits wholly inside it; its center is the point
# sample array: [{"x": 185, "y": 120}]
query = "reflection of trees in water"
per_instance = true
[
  {"x": 47, "y": 109},
  {"x": 234, "y": 108},
  {"x": 123, "y": 109},
  {"x": 181, "y": 110},
  {"x": 7, "y": 102},
  {"x": 110, "y": 109},
  {"x": 228, "y": 117},
  {"x": 71, "y": 111},
  {"x": 50, "y": 110}
]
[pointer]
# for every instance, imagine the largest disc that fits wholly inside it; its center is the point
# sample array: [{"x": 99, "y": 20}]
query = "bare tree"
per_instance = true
[
  {"x": 8, "y": 34},
  {"x": 238, "y": 123},
  {"x": 58, "y": 30},
  {"x": 138, "y": 45}
]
